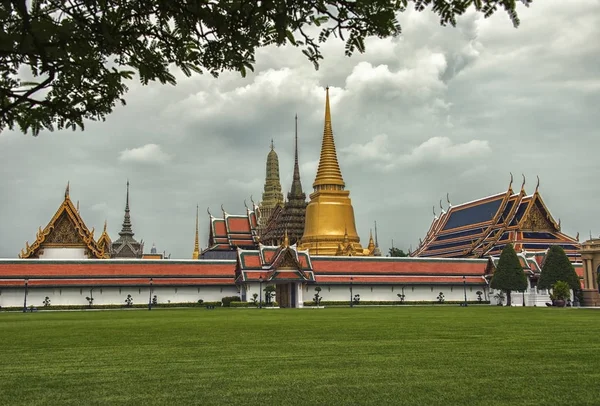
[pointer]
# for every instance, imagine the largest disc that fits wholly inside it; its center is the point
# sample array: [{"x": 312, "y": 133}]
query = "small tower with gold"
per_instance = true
[
  {"x": 272, "y": 195},
  {"x": 329, "y": 225},
  {"x": 196, "y": 253}
]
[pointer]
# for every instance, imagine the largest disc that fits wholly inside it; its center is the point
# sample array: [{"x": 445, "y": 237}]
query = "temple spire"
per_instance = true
[
  {"x": 196, "y": 253},
  {"x": 67, "y": 190},
  {"x": 329, "y": 175},
  {"x": 376, "y": 242},
  {"x": 296, "y": 189},
  {"x": 126, "y": 230}
]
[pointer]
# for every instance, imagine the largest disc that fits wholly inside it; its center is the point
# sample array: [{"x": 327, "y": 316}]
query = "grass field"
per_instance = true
[{"x": 404, "y": 356}]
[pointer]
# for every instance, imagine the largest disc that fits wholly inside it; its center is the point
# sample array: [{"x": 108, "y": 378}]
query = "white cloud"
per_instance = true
[
  {"x": 434, "y": 151},
  {"x": 147, "y": 154},
  {"x": 443, "y": 150}
]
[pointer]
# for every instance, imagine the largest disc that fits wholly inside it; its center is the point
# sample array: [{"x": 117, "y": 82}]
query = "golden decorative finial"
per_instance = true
[
  {"x": 371, "y": 245},
  {"x": 328, "y": 173},
  {"x": 272, "y": 145},
  {"x": 448, "y": 200},
  {"x": 67, "y": 190},
  {"x": 196, "y": 253},
  {"x": 286, "y": 240},
  {"x": 511, "y": 180},
  {"x": 208, "y": 211},
  {"x": 77, "y": 206},
  {"x": 523, "y": 184},
  {"x": 538, "y": 184},
  {"x": 105, "y": 225},
  {"x": 345, "y": 234},
  {"x": 441, "y": 206},
  {"x": 559, "y": 224},
  {"x": 577, "y": 237}
]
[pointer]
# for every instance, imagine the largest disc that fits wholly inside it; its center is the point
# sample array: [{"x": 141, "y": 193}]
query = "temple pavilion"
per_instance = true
[{"x": 481, "y": 228}]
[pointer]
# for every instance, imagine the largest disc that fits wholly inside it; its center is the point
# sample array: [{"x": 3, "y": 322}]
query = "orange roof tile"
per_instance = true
[
  {"x": 116, "y": 282},
  {"x": 106, "y": 267},
  {"x": 412, "y": 266},
  {"x": 400, "y": 279}
]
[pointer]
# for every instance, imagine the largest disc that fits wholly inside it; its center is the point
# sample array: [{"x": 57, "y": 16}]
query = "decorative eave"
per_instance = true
[{"x": 87, "y": 236}]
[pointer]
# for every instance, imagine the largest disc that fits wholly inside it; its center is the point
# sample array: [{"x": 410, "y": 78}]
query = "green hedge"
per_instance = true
[
  {"x": 251, "y": 305},
  {"x": 393, "y": 303}
]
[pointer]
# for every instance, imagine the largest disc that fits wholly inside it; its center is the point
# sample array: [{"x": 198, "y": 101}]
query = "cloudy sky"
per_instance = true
[{"x": 438, "y": 110}]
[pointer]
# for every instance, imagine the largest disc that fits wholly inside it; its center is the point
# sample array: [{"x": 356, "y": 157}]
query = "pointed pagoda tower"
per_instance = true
[
  {"x": 290, "y": 220},
  {"x": 126, "y": 246},
  {"x": 329, "y": 227},
  {"x": 272, "y": 196},
  {"x": 196, "y": 253}
]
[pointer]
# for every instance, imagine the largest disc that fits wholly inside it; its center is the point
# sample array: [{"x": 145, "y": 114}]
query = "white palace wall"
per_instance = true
[
  {"x": 14, "y": 297},
  {"x": 412, "y": 293}
]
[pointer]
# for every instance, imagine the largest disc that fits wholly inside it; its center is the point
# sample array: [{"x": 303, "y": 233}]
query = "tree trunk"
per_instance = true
[{"x": 508, "y": 297}]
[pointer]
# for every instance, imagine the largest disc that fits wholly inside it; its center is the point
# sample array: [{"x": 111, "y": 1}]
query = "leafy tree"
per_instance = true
[
  {"x": 397, "y": 252},
  {"x": 558, "y": 267},
  {"x": 509, "y": 274},
  {"x": 62, "y": 62}
]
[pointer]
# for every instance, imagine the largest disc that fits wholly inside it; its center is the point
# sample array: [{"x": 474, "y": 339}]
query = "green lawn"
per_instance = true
[{"x": 403, "y": 355}]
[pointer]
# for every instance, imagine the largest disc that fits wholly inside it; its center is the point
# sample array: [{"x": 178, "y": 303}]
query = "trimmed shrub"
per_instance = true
[
  {"x": 558, "y": 267},
  {"x": 228, "y": 299},
  {"x": 509, "y": 275}
]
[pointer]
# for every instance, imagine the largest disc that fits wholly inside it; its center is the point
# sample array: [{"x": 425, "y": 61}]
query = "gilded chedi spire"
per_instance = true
[
  {"x": 196, "y": 253},
  {"x": 329, "y": 228},
  {"x": 328, "y": 173}
]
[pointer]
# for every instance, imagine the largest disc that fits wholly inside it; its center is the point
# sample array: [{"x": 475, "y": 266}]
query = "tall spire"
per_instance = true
[
  {"x": 376, "y": 242},
  {"x": 329, "y": 173},
  {"x": 67, "y": 190},
  {"x": 296, "y": 190},
  {"x": 196, "y": 253},
  {"x": 126, "y": 230}
]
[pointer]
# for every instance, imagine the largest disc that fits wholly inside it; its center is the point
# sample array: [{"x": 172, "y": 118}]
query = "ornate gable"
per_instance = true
[
  {"x": 537, "y": 218},
  {"x": 65, "y": 229},
  {"x": 287, "y": 260}
]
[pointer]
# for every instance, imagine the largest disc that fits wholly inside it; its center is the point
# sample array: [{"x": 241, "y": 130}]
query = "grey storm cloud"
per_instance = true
[{"x": 436, "y": 111}]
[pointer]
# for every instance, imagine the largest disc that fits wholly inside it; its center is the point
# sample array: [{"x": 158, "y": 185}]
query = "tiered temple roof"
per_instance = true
[
  {"x": 290, "y": 217},
  {"x": 231, "y": 232},
  {"x": 126, "y": 246},
  {"x": 483, "y": 227},
  {"x": 66, "y": 229},
  {"x": 274, "y": 264}
]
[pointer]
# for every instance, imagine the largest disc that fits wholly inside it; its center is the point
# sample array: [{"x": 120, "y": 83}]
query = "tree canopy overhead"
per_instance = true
[{"x": 65, "y": 61}]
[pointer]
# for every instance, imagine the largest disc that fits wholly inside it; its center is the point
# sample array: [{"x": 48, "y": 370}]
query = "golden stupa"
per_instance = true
[{"x": 329, "y": 227}]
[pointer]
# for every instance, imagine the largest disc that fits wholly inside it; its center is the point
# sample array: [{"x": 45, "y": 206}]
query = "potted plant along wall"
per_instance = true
[{"x": 560, "y": 293}]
